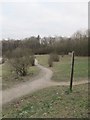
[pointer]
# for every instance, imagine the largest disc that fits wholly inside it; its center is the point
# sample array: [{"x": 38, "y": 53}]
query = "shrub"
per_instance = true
[
  {"x": 32, "y": 60},
  {"x": 50, "y": 62},
  {"x": 55, "y": 57},
  {"x": 21, "y": 59},
  {"x": 20, "y": 65}
]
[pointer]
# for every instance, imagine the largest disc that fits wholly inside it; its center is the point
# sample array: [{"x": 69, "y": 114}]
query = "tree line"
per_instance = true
[
  {"x": 78, "y": 42},
  {"x": 21, "y": 53}
]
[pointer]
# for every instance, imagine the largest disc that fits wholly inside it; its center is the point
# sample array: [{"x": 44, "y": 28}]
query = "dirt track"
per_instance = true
[{"x": 41, "y": 81}]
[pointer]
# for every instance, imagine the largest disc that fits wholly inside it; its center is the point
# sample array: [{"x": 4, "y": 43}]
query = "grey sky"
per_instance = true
[{"x": 25, "y": 19}]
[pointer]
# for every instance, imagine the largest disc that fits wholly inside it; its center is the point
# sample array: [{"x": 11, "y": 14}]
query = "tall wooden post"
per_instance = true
[{"x": 72, "y": 70}]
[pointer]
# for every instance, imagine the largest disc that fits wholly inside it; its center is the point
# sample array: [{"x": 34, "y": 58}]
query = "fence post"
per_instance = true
[{"x": 72, "y": 70}]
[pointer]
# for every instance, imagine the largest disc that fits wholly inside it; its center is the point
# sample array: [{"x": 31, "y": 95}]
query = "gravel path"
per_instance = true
[{"x": 41, "y": 81}]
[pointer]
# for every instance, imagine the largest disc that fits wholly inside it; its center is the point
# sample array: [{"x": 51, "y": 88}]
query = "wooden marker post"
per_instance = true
[{"x": 72, "y": 70}]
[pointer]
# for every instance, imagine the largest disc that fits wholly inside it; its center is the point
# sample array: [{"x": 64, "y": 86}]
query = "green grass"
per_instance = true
[
  {"x": 53, "y": 102},
  {"x": 42, "y": 59},
  {"x": 61, "y": 70},
  {"x": 9, "y": 77}
]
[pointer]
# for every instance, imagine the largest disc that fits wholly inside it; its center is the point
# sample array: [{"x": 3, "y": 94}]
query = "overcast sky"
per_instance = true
[{"x": 25, "y": 19}]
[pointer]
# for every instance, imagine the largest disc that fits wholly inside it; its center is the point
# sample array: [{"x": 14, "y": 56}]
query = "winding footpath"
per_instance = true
[{"x": 41, "y": 81}]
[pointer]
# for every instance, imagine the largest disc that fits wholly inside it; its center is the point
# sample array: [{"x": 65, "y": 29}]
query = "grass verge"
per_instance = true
[
  {"x": 61, "y": 69},
  {"x": 53, "y": 102}
]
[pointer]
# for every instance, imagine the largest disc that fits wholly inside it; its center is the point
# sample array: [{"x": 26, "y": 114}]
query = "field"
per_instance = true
[
  {"x": 61, "y": 69},
  {"x": 9, "y": 78},
  {"x": 53, "y": 102}
]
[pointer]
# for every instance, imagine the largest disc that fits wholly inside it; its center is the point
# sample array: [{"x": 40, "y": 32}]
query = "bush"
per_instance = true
[
  {"x": 20, "y": 65},
  {"x": 21, "y": 59},
  {"x": 32, "y": 60},
  {"x": 3, "y": 60},
  {"x": 50, "y": 62},
  {"x": 55, "y": 57}
]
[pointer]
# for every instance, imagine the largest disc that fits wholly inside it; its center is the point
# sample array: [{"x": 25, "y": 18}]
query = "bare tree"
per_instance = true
[{"x": 21, "y": 60}]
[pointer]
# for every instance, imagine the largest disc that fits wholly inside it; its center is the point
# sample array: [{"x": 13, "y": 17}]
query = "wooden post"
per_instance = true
[{"x": 72, "y": 71}]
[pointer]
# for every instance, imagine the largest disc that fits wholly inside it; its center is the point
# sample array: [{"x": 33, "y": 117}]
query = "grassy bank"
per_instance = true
[
  {"x": 9, "y": 77},
  {"x": 53, "y": 102},
  {"x": 61, "y": 69}
]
